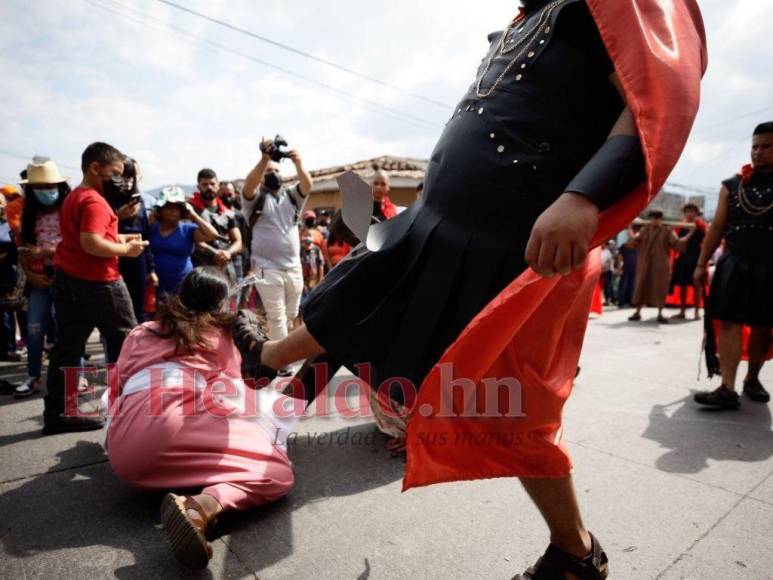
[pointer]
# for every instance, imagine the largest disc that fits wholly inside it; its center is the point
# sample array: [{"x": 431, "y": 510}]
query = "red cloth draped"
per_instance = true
[
  {"x": 199, "y": 203},
  {"x": 533, "y": 331}
]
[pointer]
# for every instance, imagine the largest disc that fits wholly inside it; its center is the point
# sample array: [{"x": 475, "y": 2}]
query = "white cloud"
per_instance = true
[{"x": 78, "y": 73}]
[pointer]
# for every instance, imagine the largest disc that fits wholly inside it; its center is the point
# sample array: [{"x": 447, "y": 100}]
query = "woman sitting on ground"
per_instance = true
[{"x": 179, "y": 419}]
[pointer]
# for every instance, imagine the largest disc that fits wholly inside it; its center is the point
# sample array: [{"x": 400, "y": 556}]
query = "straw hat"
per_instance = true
[{"x": 45, "y": 172}]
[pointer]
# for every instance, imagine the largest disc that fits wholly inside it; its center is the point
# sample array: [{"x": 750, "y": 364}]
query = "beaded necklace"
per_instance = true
[
  {"x": 542, "y": 26},
  {"x": 747, "y": 205}
]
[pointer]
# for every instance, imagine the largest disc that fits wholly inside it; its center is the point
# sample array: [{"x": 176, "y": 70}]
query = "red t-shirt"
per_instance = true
[{"x": 85, "y": 210}]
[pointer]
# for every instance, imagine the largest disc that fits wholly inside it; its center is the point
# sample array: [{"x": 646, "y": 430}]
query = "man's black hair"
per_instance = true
[
  {"x": 764, "y": 128},
  {"x": 206, "y": 173},
  {"x": 691, "y": 206},
  {"x": 102, "y": 153}
]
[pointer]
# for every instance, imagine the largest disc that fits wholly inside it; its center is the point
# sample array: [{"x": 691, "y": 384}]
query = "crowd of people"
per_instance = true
[
  {"x": 653, "y": 261},
  {"x": 105, "y": 255}
]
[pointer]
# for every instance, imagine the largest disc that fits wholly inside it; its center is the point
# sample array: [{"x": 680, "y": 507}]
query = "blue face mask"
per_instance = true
[{"x": 47, "y": 196}]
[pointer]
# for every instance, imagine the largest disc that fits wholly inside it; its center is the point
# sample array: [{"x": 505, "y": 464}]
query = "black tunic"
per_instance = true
[
  {"x": 685, "y": 264},
  {"x": 742, "y": 286},
  {"x": 499, "y": 163}
]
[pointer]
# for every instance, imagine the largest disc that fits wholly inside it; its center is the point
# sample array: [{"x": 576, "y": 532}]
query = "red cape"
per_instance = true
[{"x": 533, "y": 331}]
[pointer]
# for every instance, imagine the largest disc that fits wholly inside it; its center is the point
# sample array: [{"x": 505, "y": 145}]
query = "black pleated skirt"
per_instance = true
[
  {"x": 399, "y": 308},
  {"x": 742, "y": 291}
]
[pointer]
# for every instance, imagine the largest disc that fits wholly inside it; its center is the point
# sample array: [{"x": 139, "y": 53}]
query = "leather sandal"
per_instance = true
[
  {"x": 250, "y": 340},
  {"x": 555, "y": 564},
  {"x": 186, "y": 534}
]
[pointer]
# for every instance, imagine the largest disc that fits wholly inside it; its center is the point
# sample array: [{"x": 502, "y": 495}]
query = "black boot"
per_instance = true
[{"x": 250, "y": 340}]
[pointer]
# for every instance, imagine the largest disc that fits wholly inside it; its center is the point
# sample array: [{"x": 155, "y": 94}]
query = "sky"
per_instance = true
[{"x": 179, "y": 93}]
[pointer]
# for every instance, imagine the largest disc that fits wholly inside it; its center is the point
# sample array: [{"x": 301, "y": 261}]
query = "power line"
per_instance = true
[
  {"x": 734, "y": 119},
  {"x": 304, "y": 54},
  {"x": 206, "y": 43}
]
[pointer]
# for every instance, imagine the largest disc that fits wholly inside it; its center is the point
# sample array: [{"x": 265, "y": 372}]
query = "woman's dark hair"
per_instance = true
[
  {"x": 33, "y": 208},
  {"x": 195, "y": 309},
  {"x": 130, "y": 172}
]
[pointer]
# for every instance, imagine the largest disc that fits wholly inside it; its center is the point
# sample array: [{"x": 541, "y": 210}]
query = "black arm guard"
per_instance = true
[{"x": 612, "y": 173}]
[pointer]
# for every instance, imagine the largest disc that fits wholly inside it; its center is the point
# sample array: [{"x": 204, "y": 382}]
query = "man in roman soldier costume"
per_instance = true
[
  {"x": 576, "y": 116},
  {"x": 742, "y": 286}
]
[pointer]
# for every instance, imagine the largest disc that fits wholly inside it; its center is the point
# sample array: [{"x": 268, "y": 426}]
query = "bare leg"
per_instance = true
[
  {"x": 729, "y": 353},
  {"x": 298, "y": 345},
  {"x": 759, "y": 345},
  {"x": 556, "y": 501},
  {"x": 698, "y": 295}
]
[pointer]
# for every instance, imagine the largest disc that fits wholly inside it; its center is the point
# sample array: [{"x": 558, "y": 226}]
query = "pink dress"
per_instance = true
[{"x": 163, "y": 437}]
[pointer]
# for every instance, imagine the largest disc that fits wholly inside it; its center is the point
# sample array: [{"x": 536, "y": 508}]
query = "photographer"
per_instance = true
[
  {"x": 272, "y": 212},
  {"x": 228, "y": 242}
]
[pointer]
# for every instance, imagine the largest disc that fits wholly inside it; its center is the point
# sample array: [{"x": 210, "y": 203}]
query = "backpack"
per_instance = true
[{"x": 260, "y": 202}]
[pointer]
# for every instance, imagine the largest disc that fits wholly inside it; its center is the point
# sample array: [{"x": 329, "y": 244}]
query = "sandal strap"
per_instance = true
[
  {"x": 202, "y": 522},
  {"x": 555, "y": 563}
]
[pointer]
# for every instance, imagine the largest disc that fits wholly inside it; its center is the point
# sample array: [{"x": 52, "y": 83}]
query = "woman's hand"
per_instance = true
[
  {"x": 560, "y": 237},
  {"x": 153, "y": 279}
]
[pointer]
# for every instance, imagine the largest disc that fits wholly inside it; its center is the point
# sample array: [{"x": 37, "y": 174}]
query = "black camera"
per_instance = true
[{"x": 275, "y": 150}]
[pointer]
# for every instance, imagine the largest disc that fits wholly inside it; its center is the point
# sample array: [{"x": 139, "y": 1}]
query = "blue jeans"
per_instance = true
[{"x": 39, "y": 309}]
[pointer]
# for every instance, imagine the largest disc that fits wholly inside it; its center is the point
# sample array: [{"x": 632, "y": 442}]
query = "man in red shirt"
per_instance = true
[{"x": 88, "y": 289}]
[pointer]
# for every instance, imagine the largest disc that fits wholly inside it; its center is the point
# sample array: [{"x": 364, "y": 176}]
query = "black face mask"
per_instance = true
[
  {"x": 272, "y": 181},
  {"x": 114, "y": 191},
  {"x": 227, "y": 201}
]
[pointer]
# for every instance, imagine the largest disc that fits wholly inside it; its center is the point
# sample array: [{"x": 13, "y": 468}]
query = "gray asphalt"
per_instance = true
[{"x": 671, "y": 491}]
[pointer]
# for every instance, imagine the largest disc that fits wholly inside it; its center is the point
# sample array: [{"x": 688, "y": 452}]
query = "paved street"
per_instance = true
[{"x": 672, "y": 491}]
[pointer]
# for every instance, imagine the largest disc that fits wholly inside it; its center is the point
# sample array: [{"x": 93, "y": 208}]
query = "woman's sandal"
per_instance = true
[
  {"x": 555, "y": 564},
  {"x": 185, "y": 533}
]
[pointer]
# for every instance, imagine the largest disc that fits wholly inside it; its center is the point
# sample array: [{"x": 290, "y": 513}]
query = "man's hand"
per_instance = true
[
  {"x": 135, "y": 247},
  {"x": 295, "y": 157},
  {"x": 699, "y": 276},
  {"x": 126, "y": 238},
  {"x": 39, "y": 280},
  {"x": 560, "y": 236},
  {"x": 265, "y": 147},
  {"x": 222, "y": 258}
]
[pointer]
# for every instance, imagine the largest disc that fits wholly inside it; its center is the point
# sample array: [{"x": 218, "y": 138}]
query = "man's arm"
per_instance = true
[
  {"x": 560, "y": 237},
  {"x": 235, "y": 236},
  {"x": 255, "y": 177},
  {"x": 305, "y": 182},
  {"x": 96, "y": 245},
  {"x": 713, "y": 236}
]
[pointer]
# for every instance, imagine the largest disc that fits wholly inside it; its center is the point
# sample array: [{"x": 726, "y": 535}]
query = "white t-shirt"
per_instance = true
[{"x": 275, "y": 241}]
